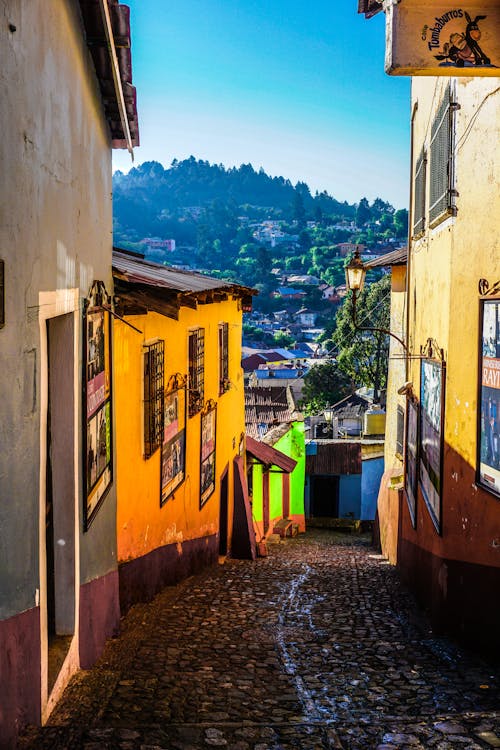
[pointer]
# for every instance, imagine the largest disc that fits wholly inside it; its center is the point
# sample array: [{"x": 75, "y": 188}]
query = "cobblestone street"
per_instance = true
[{"x": 315, "y": 646}]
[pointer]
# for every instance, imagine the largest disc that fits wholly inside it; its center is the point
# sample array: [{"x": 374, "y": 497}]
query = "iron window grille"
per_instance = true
[
  {"x": 420, "y": 191},
  {"x": 442, "y": 191},
  {"x": 154, "y": 357},
  {"x": 196, "y": 370},
  {"x": 223, "y": 358}
]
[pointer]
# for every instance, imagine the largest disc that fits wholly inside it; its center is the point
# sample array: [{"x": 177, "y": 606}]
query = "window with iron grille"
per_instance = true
[
  {"x": 223, "y": 358},
  {"x": 419, "y": 194},
  {"x": 153, "y": 396},
  {"x": 196, "y": 370},
  {"x": 400, "y": 431},
  {"x": 442, "y": 168}
]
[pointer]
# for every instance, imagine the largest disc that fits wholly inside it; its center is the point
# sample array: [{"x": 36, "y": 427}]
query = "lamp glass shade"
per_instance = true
[
  {"x": 328, "y": 412},
  {"x": 355, "y": 277}
]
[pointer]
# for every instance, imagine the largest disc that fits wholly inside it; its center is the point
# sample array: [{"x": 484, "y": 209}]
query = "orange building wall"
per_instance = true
[{"x": 142, "y": 526}]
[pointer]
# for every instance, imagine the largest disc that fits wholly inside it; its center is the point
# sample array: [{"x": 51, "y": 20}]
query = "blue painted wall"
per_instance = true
[
  {"x": 350, "y": 496},
  {"x": 370, "y": 482}
]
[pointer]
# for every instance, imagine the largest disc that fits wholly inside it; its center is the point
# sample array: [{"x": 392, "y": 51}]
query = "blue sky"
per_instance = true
[{"x": 294, "y": 87}]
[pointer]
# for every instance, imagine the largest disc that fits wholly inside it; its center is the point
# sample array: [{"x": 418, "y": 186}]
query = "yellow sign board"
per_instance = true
[{"x": 443, "y": 40}]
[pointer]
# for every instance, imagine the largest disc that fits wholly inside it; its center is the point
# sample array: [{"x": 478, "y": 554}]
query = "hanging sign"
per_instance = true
[{"x": 443, "y": 40}]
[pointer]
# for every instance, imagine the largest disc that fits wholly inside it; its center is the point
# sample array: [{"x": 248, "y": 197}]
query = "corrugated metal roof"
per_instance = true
[
  {"x": 138, "y": 270},
  {"x": 335, "y": 458},
  {"x": 269, "y": 456},
  {"x": 395, "y": 258},
  {"x": 351, "y": 406}
]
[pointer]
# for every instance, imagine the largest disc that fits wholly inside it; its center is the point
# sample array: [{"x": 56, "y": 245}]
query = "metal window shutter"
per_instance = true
[{"x": 440, "y": 174}]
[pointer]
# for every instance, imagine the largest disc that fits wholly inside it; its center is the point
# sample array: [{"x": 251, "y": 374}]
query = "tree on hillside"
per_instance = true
[
  {"x": 298, "y": 210},
  {"x": 324, "y": 385},
  {"x": 363, "y": 355},
  {"x": 363, "y": 213}
]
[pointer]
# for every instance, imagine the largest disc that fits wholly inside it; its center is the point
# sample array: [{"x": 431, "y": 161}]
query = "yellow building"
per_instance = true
[
  {"x": 450, "y": 526},
  {"x": 389, "y": 497},
  {"x": 179, "y": 411},
  {"x": 448, "y": 537}
]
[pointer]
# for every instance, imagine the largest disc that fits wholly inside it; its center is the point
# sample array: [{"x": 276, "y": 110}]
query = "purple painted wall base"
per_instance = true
[
  {"x": 462, "y": 598},
  {"x": 141, "y": 579},
  {"x": 99, "y": 616},
  {"x": 20, "y": 660}
]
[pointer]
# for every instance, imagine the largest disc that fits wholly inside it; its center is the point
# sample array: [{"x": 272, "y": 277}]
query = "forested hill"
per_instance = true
[{"x": 149, "y": 197}]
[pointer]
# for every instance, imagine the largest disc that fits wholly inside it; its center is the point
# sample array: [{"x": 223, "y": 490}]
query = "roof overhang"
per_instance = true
[
  {"x": 142, "y": 286},
  {"x": 269, "y": 456},
  {"x": 107, "y": 29}
]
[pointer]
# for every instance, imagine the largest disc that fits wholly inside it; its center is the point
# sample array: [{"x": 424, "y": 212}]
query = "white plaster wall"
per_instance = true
[{"x": 55, "y": 234}]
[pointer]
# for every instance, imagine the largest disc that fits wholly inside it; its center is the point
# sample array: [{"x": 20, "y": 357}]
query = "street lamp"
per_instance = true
[
  {"x": 355, "y": 273},
  {"x": 328, "y": 412}
]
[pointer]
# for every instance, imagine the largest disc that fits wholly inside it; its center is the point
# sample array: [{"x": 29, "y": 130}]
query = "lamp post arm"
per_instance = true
[{"x": 372, "y": 328}]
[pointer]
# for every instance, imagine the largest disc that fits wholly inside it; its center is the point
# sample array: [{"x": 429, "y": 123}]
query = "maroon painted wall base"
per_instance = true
[
  {"x": 99, "y": 616},
  {"x": 461, "y": 597},
  {"x": 141, "y": 579},
  {"x": 20, "y": 660}
]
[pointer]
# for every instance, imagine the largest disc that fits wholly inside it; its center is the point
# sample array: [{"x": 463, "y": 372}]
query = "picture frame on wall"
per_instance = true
[
  {"x": 173, "y": 451},
  {"x": 97, "y": 403},
  {"x": 432, "y": 385},
  {"x": 207, "y": 451},
  {"x": 411, "y": 457},
  {"x": 488, "y": 428}
]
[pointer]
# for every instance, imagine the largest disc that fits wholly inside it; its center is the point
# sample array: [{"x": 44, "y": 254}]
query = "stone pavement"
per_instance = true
[{"x": 316, "y": 646}]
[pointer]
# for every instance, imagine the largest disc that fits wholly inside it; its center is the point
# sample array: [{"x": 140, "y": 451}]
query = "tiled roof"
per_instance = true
[
  {"x": 266, "y": 408},
  {"x": 369, "y": 7},
  {"x": 351, "y": 406},
  {"x": 395, "y": 258}
]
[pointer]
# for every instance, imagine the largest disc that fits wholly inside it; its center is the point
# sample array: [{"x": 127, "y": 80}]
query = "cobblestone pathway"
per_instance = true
[{"x": 316, "y": 646}]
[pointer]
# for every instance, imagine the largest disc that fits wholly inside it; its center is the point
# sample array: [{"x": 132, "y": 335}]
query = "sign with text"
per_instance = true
[
  {"x": 489, "y": 416},
  {"x": 443, "y": 40}
]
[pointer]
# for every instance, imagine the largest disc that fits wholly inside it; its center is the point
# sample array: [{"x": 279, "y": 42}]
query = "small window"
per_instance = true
[
  {"x": 223, "y": 358},
  {"x": 419, "y": 193},
  {"x": 442, "y": 169},
  {"x": 400, "y": 431},
  {"x": 196, "y": 370},
  {"x": 153, "y": 396}
]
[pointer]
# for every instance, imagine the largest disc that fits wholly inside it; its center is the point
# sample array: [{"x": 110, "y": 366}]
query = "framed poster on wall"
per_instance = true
[
  {"x": 488, "y": 461},
  {"x": 208, "y": 444},
  {"x": 431, "y": 436},
  {"x": 97, "y": 434},
  {"x": 173, "y": 451},
  {"x": 411, "y": 458}
]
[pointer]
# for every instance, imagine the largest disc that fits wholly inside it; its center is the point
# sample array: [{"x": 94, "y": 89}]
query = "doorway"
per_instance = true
[
  {"x": 325, "y": 496},
  {"x": 60, "y": 493},
  {"x": 223, "y": 514}
]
